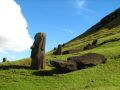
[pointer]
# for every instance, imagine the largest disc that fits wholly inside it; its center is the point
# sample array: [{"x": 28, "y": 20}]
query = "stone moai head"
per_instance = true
[
  {"x": 4, "y": 59},
  {"x": 95, "y": 42},
  {"x": 38, "y": 51},
  {"x": 59, "y": 50}
]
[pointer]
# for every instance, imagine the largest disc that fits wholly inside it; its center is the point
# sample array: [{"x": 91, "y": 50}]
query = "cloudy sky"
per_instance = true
[{"x": 61, "y": 20}]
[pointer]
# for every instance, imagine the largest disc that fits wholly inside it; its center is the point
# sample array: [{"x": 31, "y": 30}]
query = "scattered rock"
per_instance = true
[
  {"x": 70, "y": 51},
  {"x": 38, "y": 51},
  {"x": 66, "y": 52},
  {"x": 91, "y": 46},
  {"x": 94, "y": 43},
  {"x": 71, "y": 65},
  {"x": 110, "y": 40},
  {"x": 58, "y": 64},
  {"x": 89, "y": 59},
  {"x": 79, "y": 62}
]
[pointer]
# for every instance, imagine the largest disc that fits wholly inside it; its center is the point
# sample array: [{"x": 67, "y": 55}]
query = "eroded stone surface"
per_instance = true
[
  {"x": 79, "y": 62},
  {"x": 38, "y": 51},
  {"x": 58, "y": 50},
  {"x": 4, "y": 59}
]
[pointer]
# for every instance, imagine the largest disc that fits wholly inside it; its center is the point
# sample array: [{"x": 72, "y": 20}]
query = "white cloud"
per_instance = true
[
  {"x": 14, "y": 34},
  {"x": 68, "y": 31},
  {"x": 83, "y": 11},
  {"x": 82, "y": 6},
  {"x": 80, "y": 3},
  {"x": 3, "y": 52}
]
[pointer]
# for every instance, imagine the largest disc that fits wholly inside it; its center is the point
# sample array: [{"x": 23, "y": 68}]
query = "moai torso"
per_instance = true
[
  {"x": 38, "y": 51},
  {"x": 59, "y": 50}
]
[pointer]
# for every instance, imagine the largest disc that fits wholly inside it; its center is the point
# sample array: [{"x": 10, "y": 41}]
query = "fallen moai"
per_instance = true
[
  {"x": 79, "y": 62},
  {"x": 91, "y": 46}
]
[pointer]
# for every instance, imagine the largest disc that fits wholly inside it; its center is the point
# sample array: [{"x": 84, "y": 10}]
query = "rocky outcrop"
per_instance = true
[
  {"x": 91, "y": 46},
  {"x": 38, "y": 51},
  {"x": 88, "y": 59},
  {"x": 66, "y": 52},
  {"x": 58, "y": 64},
  {"x": 70, "y": 51},
  {"x": 79, "y": 62}
]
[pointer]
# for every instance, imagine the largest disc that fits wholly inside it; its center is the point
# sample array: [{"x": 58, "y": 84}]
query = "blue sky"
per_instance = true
[{"x": 61, "y": 20}]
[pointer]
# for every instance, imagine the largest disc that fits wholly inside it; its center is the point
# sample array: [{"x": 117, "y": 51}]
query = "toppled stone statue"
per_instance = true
[
  {"x": 91, "y": 46},
  {"x": 38, "y": 52},
  {"x": 79, "y": 62},
  {"x": 4, "y": 59},
  {"x": 59, "y": 64},
  {"x": 87, "y": 60},
  {"x": 58, "y": 50},
  {"x": 66, "y": 52}
]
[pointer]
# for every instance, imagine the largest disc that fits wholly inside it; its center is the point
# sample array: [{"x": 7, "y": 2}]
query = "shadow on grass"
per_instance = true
[
  {"x": 49, "y": 72},
  {"x": 13, "y": 67}
]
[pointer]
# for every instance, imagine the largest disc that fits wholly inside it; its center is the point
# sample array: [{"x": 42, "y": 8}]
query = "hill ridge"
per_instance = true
[{"x": 104, "y": 21}]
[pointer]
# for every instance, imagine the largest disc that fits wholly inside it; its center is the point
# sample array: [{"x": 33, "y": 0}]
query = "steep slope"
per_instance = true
[
  {"x": 107, "y": 26},
  {"x": 107, "y": 29}
]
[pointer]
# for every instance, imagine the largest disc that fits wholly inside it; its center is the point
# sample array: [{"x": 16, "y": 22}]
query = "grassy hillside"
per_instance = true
[{"x": 14, "y": 76}]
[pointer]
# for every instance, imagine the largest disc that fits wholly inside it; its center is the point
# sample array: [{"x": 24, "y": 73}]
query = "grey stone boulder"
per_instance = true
[
  {"x": 79, "y": 62},
  {"x": 87, "y": 60},
  {"x": 59, "y": 63}
]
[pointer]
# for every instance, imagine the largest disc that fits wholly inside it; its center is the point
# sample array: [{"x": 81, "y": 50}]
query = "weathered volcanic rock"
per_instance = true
[
  {"x": 71, "y": 65},
  {"x": 87, "y": 60},
  {"x": 4, "y": 59},
  {"x": 66, "y": 52},
  {"x": 94, "y": 43},
  {"x": 59, "y": 64},
  {"x": 58, "y": 50},
  {"x": 38, "y": 51},
  {"x": 91, "y": 46},
  {"x": 79, "y": 62}
]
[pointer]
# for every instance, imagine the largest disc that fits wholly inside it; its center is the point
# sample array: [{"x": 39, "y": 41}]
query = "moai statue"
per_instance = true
[
  {"x": 4, "y": 59},
  {"x": 59, "y": 50},
  {"x": 95, "y": 42},
  {"x": 38, "y": 52}
]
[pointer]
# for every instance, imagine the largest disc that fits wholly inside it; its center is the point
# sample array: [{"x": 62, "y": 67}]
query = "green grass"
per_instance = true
[
  {"x": 14, "y": 76},
  {"x": 102, "y": 77}
]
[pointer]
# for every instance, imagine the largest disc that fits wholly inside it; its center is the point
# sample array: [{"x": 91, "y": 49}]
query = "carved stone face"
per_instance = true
[
  {"x": 40, "y": 39},
  {"x": 37, "y": 40},
  {"x": 39, "y": 44}
]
